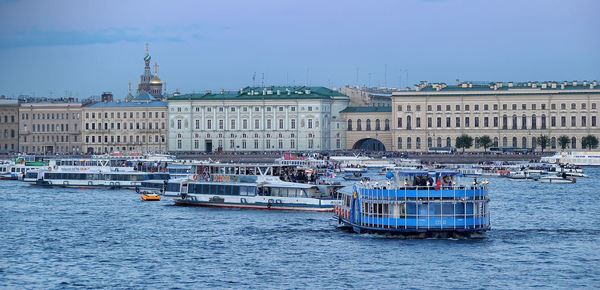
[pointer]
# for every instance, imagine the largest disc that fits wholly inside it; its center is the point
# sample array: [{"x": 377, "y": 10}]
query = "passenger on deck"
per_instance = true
[{"x": 429, "y": 180}]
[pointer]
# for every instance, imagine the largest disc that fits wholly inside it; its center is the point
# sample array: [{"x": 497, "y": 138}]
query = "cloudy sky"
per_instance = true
[{"x": 83, "y": 48}]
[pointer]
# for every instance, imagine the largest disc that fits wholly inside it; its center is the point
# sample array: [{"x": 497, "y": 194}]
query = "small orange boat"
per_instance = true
[{"x": 150, "y": 197}]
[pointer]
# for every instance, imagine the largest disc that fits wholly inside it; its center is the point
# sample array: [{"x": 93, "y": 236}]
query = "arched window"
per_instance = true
[
  {"x": 368, "y": 125},
  {"x": 504, "y": 122},
  {"x": 495, "y": 141},
  {"x": 573, "y": 143},
  {"x": 418, "y": 145},
  {"x": 448, "y": 142},
  {"x": 514, "y": 143},
  {"x": 533, "y": 142},
  {"x": 476, "y": 141},
  {"x": 377, "y": 125},
  {"x": 524, "y": 122},
  {"x": 349, "y": 125},
  {"x": 553, "y": 143},
  {"x": 439, "y": 142},
  {"x": 533, "y": 122},
  {"x": 399, "y": 142},
  {"x": 543, "y": 121},
  {"x": 408, "y": 123},
  {"x": 524, "y": 142},
  {"x": 514, "y": 122},
  {"x": 504, "y": 142},
  {"x": 387, "y": 124},
  {"x": 429, "y": 142},
  {"x": 358, "y": 125}
]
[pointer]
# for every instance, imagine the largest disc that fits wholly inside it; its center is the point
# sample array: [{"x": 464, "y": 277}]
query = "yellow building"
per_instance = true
[{"x": 512, "y": 115}]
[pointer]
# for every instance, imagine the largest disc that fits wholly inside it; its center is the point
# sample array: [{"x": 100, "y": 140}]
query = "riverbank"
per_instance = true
[{"x": 425, "y": 158}]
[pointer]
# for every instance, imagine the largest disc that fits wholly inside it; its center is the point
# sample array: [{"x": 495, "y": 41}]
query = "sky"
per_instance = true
[{"x": 82, "y": 48}]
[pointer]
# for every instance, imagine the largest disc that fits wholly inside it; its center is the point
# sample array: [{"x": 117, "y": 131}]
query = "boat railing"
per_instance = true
[{"x": 457, "y": 208}]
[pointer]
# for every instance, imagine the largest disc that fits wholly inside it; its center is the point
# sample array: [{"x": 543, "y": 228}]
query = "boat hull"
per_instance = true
[
  {"x": 415, "y": 232},
  {"x": 556, "y": 181},
  {"x": 258, "y": 202}
]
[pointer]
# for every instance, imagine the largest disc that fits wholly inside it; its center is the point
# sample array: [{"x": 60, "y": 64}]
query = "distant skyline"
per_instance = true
[{"x": 82, "y": 48}]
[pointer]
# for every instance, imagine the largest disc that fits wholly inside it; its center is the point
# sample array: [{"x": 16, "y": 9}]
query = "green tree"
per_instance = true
[
  {"x": 485, "y": 141},
  {"x": 589, "y": 142},
  {"x": 543, "y": 140},
  {"x": 464, "y": 141},
  {"x": 563, "y": 141}
]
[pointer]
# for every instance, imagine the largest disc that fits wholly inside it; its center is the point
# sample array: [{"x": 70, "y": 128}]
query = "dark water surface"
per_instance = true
[{"x": 544, "y": 235}]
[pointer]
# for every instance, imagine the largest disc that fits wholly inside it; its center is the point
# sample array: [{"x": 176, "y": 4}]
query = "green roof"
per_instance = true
[
  {"x": 266, "y": 93},
  {"x": 367, "y": 110}
]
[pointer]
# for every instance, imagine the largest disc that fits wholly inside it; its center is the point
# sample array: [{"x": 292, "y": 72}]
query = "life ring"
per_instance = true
[
  {"x": 49, "y": 168},
  {"x": 195, "y": 177}
]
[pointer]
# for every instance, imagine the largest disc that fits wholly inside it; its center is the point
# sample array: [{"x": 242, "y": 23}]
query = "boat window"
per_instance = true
[
  {"x": 235, "y": 190},
  {"x": 212, "y": 189},
  {"x": 173, "y": 187}
]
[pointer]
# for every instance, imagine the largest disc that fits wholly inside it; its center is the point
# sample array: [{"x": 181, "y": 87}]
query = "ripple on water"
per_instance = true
[{"x": 542, "y": 236}]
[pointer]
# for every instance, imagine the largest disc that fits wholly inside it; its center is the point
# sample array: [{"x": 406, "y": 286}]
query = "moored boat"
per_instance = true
[
  {"x": 111, "y": 179},
  {"x": 557, "y": 179}
]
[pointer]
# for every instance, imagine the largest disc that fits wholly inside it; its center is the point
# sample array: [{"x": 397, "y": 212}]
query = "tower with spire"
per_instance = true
[{"x": 150, "y": 83}]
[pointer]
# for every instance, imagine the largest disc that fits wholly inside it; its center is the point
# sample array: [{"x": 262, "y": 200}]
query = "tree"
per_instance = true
[
  {"x": 563, "y": 141},
  {"x": 485, "y": 141},
  {"x": 589, "y": 142},
  {"x": 464, "y": 141},
  {"x": 543, "y": 140}
]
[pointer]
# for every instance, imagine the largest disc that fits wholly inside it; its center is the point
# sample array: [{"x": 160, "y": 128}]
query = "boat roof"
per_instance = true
[{"x": 425, "y": 172}]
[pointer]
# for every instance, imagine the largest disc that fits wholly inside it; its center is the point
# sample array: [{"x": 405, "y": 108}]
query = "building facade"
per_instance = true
[
  {"x": 136, "y": 125},
  {"x": 368, "y": 128},
  {"x": 9, "y": 126},
  {"x": 50, "y": 127},
  {"x": 258, "y": 119},
  {"x": 512, "y": 115}
]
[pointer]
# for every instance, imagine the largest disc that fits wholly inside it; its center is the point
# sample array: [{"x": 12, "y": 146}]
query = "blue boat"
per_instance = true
[{"x": 417, "y": 204}]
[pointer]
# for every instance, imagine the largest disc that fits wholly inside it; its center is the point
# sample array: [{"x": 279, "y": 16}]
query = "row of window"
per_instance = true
[
  {"x": 244, "y": 144},
  {"x": 246, "y": 109},
  {"x": 107, "y": 149},
  {"x": 5, "y": 134},
  {"x": 486, "y": 107},
  {"x": 44, "y": 139},
  {"x": 12, "y": 119},
  {"x": 514, "y": 142},
  {"x": 45, "y": 127},
  {"x": 117, "y": 139},
  {"x": 50, "y": 116},
  {"x": 57, "y": 149},
  {"x": 118, "y": 114},
  {"x": 308, "y": 123},
  {"x": 368, "y": 125},
  {"x": 525, "y": 122},
  {"x": 92, "y": 126}
]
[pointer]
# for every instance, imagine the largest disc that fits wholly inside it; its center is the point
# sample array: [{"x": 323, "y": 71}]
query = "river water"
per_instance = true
[{"x": 543, "y": 235}]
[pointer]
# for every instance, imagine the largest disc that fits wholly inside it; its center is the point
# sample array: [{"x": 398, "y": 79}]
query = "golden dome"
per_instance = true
[{"x": 155, "y": 81}]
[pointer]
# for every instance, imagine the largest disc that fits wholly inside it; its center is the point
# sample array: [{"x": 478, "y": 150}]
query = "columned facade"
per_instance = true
[
  {"x": 434, "y": 115},
  {"x": 257, "y": 119}
]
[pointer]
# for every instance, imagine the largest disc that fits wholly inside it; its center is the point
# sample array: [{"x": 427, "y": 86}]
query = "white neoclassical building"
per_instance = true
[{"x": 257, "y": 119}]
